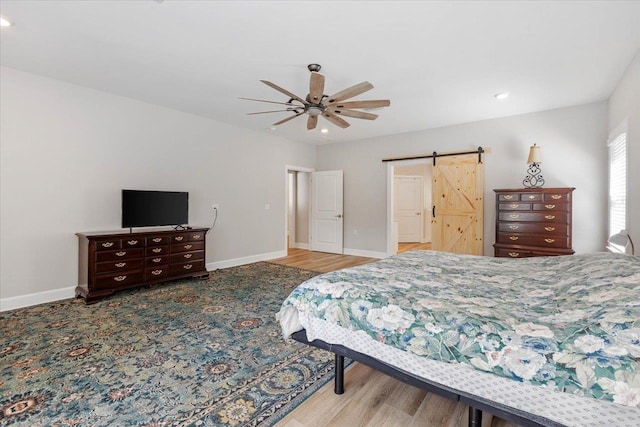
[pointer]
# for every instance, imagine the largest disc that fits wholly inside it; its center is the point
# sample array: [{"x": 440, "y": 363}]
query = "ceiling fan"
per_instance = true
[{"x": 316, "y": 103}]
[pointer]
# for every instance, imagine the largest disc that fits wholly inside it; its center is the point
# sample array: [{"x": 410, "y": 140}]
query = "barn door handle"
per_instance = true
[
  {"x": 433, "y": 211},
  {"x": 339, "y": 216}
]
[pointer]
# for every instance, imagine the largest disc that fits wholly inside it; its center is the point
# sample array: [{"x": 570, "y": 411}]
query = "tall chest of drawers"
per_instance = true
[
  {"x": 533, "y": 222},
  {"x": 114, "y": 261}
]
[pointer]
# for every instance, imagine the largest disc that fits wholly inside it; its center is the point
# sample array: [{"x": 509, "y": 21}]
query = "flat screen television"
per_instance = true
[{"x": 154, "y": 208}]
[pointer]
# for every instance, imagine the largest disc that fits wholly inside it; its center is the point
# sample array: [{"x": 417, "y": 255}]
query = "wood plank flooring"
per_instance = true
[{"x": 371, "y": 399}]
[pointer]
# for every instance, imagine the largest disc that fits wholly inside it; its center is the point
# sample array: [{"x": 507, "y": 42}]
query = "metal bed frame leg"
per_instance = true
[
  {"x": 475, "y": 417},
  {"x": 339, "y": 375}
]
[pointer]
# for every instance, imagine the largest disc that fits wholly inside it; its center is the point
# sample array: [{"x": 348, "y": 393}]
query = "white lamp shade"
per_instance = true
[
  {"x": 534, "y": 155},
  {"x": 622, "y": 239}
]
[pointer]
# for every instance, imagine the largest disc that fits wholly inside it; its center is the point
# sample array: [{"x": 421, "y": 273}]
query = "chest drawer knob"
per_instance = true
[
  {"x": 514, "y": 216},
  {"x": 156, "y": 272},
  {"x": 156, "y": 250},
  {"x": 514, "y": 254},
  {"x": 196, "y": 236},
  {"x": 531, "y": 197},
  {"x": 157, "y": 240},
  {"x": 119, "y": 278},
  {"x": 549, "y": 228},
  {"x": 514, "y": 205},
  {"x": 121, "y": 264},
  {"x": 121, "y": 253},
  {"x": 514, "y": 227},
  {"x": 107, "y": 244},
  {"x": 550, "y": 216},
  {"x": 156, "y": 260},
  {"x": 187, "y": 256},
  {"x": 132, "y": 242},
  {"x": 549, "y": 206},
  {"x": 187, "y": 266},
  {"x": 508, "y": 197},
  {"x": 556, "y": 196},
  {"x": 179, "y": 238},
  {"x": 513, "y": 238},
  {"x": 549, "y": 240}
]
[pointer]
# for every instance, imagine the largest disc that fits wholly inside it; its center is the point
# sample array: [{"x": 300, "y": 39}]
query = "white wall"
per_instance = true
[
  {"x": 625, "y": 103},
  {"x": 67, "y": 152},
  {"x": 573, "y": 153}
]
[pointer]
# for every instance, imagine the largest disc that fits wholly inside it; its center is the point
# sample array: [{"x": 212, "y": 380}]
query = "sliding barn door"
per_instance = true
[{"x": 457, "y": 190}]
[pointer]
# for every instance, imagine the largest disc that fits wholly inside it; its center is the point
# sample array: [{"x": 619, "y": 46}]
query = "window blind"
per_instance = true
[{"x": 618, "y": 184}]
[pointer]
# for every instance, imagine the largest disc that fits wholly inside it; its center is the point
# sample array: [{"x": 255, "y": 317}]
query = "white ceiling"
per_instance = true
[{"x": 440, "y": 63}]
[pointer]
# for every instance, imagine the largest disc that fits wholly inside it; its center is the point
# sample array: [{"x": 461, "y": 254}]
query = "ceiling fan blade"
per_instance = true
[
  {"x": 286, "y": 92},
  {"x": 361, "y": 104},
  {"x": 270, "y": 102},
  {"x": 316, "y": 87},
  {"x": 335, "y": 119},
  {"x": 356, "y": 114},
  {"x": 347, "y": 93},
  {"x": 312, "y": 122},
  {"x": 272, "y": 111},
  {"x": 287, "y": 119}
]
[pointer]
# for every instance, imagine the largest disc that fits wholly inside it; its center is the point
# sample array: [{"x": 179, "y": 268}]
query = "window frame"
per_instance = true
[{"x": 621, "y": 130}]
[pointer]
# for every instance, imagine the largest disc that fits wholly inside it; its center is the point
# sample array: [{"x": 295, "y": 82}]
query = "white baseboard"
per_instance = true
[
  {"x": 301, "y": 245},
  {"x": 37, "y": 298},
  {"x": 245, "y": 260},
  {"x": 368, "y": 254}
]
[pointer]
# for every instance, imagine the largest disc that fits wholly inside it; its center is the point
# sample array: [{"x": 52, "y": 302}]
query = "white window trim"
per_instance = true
[{"x": 622, "y": 128}]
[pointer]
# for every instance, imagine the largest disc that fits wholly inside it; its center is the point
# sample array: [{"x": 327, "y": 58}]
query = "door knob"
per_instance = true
[
  {"x": 339, "y": 216},
  {"x": 417, "y": 213}
]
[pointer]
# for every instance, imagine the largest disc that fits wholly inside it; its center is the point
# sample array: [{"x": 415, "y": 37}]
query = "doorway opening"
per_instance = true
[{"x": 298, "y": 207}]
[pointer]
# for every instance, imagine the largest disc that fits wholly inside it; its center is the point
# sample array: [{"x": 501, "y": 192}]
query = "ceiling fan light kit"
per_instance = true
[{"x": 317, "y": 103}]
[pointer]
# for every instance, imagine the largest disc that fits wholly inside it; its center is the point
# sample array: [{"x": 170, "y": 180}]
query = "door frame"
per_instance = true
[{"x": 287, "y": 169}]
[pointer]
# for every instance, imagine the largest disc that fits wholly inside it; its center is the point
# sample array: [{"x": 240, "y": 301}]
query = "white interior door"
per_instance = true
[
  {"x": 326, "y": 212},
  {"x": 408, "y": 207}
]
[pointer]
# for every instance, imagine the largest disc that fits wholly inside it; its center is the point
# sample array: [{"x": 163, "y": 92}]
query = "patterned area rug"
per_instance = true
[{"x": 201, "y": 353}]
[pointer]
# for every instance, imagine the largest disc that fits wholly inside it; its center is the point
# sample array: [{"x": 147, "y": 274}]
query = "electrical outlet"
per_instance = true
[
  {"x": 267, "y": 207},
  {"x": 215, "y": 207}
]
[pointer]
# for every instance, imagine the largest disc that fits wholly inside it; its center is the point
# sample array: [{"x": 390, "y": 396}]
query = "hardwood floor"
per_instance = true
[
  {"x": 371, "y": 399},
  {"x": 404, "y": 247}
]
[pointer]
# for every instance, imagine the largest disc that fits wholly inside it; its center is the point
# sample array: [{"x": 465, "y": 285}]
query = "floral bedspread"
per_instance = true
[{"x": 570, "y": 322}]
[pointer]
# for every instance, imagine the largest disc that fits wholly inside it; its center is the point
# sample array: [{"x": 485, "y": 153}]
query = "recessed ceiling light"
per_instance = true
[
  {"x": 501, "y": 95},
  {"x": 4, "y": 22},
  {"x": 324, "y": 130},
  {"x": 273, "y": 128}
]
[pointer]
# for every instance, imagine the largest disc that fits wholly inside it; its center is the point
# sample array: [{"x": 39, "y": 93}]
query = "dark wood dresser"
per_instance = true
[
  {"x": 112, "y": 261},
  {"x": 533, "y": 222}
]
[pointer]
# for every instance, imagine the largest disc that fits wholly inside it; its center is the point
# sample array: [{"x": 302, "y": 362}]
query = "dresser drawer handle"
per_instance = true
[
  {"x": 156, "y": 272},
  {"x": 157, "y": 240},
  {"x": 514, "y": 205},
  {"x": 514, "y": 216},
  {"x": 514, "y": 227},
  {"x": 179, "y": 238},
  {"x": 556, "y": 196},
  {"x": 508, "y": 197},
  {"x": 513, "y": 238},
  {"x": 196, "y": 236},
  {"x": 119, "y": 278},
  {"x": 156, "y": 259},
  {"x": 514, "y": 254},
  {"x": 123, "y": 253},
  {"x": 156, "y": 250},
  {"x": 549, "y": 206},
  {"x": 549, "y": 240},
  {"x": 550, "y": 216},
  {"x": 187, "y": 266},
  {"x": 121, "y": 264},
  {"x": 531, "y": 197},
  {"x": 188, "y": 246},
  {"x": 132, "y": 242},
  {"x": 549, "y": 228},
  {"x": 187, "y": 256},
  {"x": 107, "y": 244}
]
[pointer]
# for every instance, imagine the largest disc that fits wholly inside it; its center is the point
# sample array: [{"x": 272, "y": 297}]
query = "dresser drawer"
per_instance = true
[
  {"x": 156, "y": 251},
  {"x": 154, "y": 273},
  {"x": 116, "y": 280},
  {"x": 187, "y": 247},
  {"x": 512, "y": 253},
  {"x": 550, "y": 206},
  {"x": 196, "y": 236},
  {"x": 557, "y": 197},
  {"x": 118, "y": 255},
  {"x": 121, "y": 265},
  {"x": 107, "y": 245},
  {"x": 156, "y": 260},
  {"x": 519, "y": 197},
  {"x": 550, "y": 229},
  {"x": 514, "y": 206},
  {"x": 157, "y": 241},
  {"x": 186, "y": 268},
  {"x": 527, "y": 240},
  {"x": 187, "y": 257},
  {"x": 551, "y": 216}
]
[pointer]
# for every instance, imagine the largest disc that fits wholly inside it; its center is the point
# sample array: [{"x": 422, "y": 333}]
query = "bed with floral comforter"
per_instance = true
[{"x": 570, "y": 323}]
